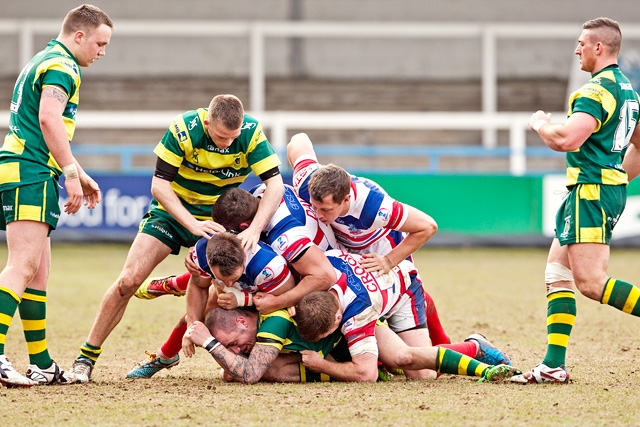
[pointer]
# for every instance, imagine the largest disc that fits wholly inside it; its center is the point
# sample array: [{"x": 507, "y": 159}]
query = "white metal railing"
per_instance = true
[
  {"x": 489, "y": 120},
  {"x": 258, "y": 31},
  {"x": 279, "y": 122}
]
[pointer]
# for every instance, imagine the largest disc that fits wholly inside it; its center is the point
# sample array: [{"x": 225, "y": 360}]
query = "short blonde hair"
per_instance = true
[{"x": 226, "y": 110}]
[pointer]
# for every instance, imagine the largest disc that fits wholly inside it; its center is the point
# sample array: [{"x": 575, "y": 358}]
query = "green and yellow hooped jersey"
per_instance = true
[
  {"x": 204, "y": 170},
  {"x": 612, "y": 101},
  {"x": 25, "y": 157},
  {"x": 279, "y": 330}
]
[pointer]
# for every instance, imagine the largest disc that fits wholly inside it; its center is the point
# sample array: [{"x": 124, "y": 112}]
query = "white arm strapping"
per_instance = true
[{"x": 244, "y": 299}]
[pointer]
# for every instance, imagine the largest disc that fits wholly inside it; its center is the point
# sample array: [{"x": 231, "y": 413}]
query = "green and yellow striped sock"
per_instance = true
[
  {"x": 33, "y": 313},
  {"x": 90, "y": 352},
  {"x": 621, "y": 295},
  {"x": 561, "y": 315},
  {"x": 8, "y": 303},
  {"x": 451, "y": 362}
]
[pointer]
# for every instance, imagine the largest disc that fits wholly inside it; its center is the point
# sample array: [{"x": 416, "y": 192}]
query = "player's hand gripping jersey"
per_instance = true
[
  {"x": 264, "y": 270},
  {"x": 372, "y": 213},
  {"x": 397, "y": 296},
  {"x": 294, "y": 226}
]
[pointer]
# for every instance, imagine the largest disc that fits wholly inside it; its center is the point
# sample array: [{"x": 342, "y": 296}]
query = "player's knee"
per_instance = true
[
  {"x": 26, "y": 272},
  {"x": 403, "y": 360},
  {"x": 557, "y": 275},
  {"x": 127, "y": 286},
  {"x": 591, "y": 288},
  {"x": 300, "y": 138}
]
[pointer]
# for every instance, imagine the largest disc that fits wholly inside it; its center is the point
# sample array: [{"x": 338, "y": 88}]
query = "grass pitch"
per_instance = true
[{"x": 496, "y": 291}]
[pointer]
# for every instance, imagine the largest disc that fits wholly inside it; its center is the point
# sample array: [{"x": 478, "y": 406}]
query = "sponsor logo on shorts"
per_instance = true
[
  {"x": 54, "y": 215},
  {"x": 162, "y": 230},
  {"x": 348, "y": 324},
  {"x": 567, "y": 226},
  {"x": 282, "y": 242},
  {"x": 7, "y": 208},
  {"x": 267, "y": 274}
]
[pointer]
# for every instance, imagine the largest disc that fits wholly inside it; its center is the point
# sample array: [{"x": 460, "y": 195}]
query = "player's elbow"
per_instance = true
[
  {"x": 368, "y": 375},
  {"x": 427, "y": 230},
  {"x": 565, "y": 144},
  {"x": 327, "y": 279},
  {"x": 249, "y": 379},
  {"x": 431, "y": 227},
  {"x": 364, "y": 373},
  {"x": 158, "y": 186}
]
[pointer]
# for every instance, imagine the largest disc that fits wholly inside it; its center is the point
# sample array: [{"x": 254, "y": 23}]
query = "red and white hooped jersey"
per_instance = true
[
  {"x": 294, "y": 226},
  {"x": 365, "y": 298},
  {"x": 372, "y": 212},
  {"x": 264, "y": 269}
]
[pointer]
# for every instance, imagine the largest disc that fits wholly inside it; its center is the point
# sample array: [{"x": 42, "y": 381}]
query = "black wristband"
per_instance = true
[{"x": 210, "y": 344}]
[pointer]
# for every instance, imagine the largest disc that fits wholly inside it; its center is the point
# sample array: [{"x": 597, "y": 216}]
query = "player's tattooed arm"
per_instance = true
[
  {"x": 247, "y": 370},
  {"x": 55, "y": 93}
]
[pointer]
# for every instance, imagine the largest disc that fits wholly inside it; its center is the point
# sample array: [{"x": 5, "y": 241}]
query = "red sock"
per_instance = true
[
  {"x": 436, "y": 331},
  {"x": 468, "y": 348},
  {"x": 173, "y": 344},
  {"x": 182, "y": 281}
]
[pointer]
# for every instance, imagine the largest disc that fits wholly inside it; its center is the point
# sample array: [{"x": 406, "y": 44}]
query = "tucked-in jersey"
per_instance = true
[
  {"x": 264, "y": 270},
  {"x": 279, "y": 330},
  {"x": 611, "y": 100},
  {"x": 372, "y": 212},
  {"x": 294, "y": 226},
  {"x": 206, "y": 171},
  {"x": 365, "y": 298},
  {"x": 25, "y": 157}
]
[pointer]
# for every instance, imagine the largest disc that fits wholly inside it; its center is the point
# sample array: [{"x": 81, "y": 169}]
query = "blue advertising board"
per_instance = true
[{"x": 125, "y": 199}]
